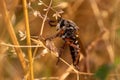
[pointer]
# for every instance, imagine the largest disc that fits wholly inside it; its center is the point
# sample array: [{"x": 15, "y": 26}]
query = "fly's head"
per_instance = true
[
  {"x": 63, "y": 24},
  {"x": 60, "y": 24}
]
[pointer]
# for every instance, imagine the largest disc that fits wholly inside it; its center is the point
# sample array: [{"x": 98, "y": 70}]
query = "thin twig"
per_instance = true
[
  {"x": 78, "y": 78},
  {"x": 92, "y": 74},
  {"x": 39, "y": 14},
  {"x": 41, "y": 32},
  {"x": 69, "y": 70},
  {"x": 48, "y": 6},
  {"x": 83, "y": 73},
  {"x": 49, "y": 78},
  {"x": 70, "y": 66},
  {"x": 97, "y": 15},
  {"x": 53, "y": 52},
  {"x": 31, "y": 74},
  {"x": 21, "y": 46},
  {"x": 66, "y": 73},
  {"x": 42, "y": 26},
  {"x": 80, "y": 73}
]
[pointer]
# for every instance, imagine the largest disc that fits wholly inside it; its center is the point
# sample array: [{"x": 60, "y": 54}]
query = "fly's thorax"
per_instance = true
[
  {"x": 66, "y": 24},
  {"x": 60, "y": 24}
]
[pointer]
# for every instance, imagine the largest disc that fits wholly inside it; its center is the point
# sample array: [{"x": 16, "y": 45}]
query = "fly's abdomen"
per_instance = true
[
  {"x": 75, "y": 55},
  {"x": 76, "y": 50}
]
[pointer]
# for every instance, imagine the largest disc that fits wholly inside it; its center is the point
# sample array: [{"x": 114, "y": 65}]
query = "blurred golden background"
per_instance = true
[{"x": 99, "y": 31}]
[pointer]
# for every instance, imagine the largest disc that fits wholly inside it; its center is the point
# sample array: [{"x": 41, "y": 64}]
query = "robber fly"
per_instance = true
[{"x": 68, "y": 31}]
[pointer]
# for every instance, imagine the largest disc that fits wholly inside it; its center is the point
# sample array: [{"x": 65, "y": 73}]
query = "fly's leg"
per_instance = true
[
  {"x": 76, "y": 59},
  {"x": 75, "y": 56},
  {"x": 76, "y": 62},
  {"x": 60, "y": 52},
  {"x": 56, "y": 35},
  {"x": 52, "y": 23},
  {"x": 76, "y": 52}
]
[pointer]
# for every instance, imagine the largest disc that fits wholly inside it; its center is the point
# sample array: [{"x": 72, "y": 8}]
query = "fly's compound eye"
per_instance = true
[
  {"x": 58, "y": 27},
  {"x": 52, "y": 23}
]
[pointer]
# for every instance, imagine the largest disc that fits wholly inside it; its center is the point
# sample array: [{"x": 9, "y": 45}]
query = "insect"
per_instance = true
[{"x": 68, "y": 31}]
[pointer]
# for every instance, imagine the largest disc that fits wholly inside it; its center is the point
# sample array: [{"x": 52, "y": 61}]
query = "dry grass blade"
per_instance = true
[
  {"x": 11, "y": 32},
  {"x": 67, "y": 72},
  {"x": 97, "y": 15},
  {"x": 102, "y": 27},
  {"x": 31, "y": 74}
]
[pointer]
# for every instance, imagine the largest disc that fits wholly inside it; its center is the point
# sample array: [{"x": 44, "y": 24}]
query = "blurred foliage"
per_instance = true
[
  {"x": 118, "y": 32},
  {"x": 103, "y": 71}
]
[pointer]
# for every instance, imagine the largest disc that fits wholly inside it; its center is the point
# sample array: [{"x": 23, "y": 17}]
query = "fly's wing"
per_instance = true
[
  {"x": 73, "y": 24},
  {"x": 82, "y": 49}
]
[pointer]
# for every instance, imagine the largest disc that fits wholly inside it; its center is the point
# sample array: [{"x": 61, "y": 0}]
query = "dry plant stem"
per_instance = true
[
  {"x": 50, "y": 78},
  {"x": 31, "y": 74},
  {"x": 97, "y": 15},
  {"x": 42, "y": 26},
  {"x": 100, "y": 22},
  {"x": 67, "y": 72},
  {"x": 21, "y": 46},
  {"x": 35, "y": 51},
  {"x": 64, "y": 76},
  {"x": 78, "y": 78},
  {"x": 50, "y": 7},
  {"x": 54, "y": 53},
  {"x": 11, "y": 32},
  {"x": 84, "y": 73},
  {"x": 43, "y": 23},
  {"x": 34, "y": 11}
]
